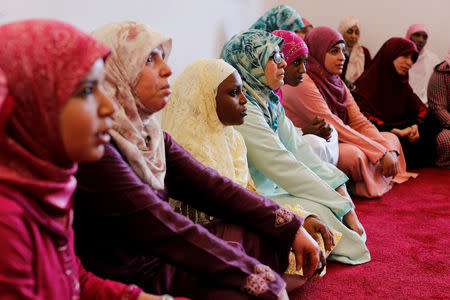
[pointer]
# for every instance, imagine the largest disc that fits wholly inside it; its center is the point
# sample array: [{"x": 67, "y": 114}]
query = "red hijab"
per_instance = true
[
  {"x": 320, "y": 40},
  {"x": 381, "y": 89},
  {"x": 43, "y": 60}
]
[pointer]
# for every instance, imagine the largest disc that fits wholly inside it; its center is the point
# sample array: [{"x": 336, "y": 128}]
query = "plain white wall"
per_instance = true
[
  {"x": 199, "y": 28},
  {"x": 381, "y": 19}
]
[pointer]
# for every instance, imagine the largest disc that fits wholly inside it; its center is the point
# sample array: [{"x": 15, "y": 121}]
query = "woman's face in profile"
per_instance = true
[
  {"x": 153, "y": 87},
  {"x": 230, "y": 102},
  {"x": 402, "y": 64}
]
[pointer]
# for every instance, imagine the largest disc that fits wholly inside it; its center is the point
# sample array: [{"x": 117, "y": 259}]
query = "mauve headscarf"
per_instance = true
[
  {"x": 293, "y": 45},
  {"x": 381, "y": 88},
  {"x": 44, "y": 60},
  {"x": 135, "y": 130},
  {"x": 320, "y": 40},
  {"x": 416, "y": 28}
]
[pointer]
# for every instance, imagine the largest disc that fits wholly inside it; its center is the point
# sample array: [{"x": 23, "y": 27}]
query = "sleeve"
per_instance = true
[
  {"x": 93, "y": 287},
  {"x": 417, "y": 110},
  {"x": 438, "y": 94},
  {"x": 17, "y": 279},
  {"x": 287, "y": 159},
  {"x": 359, "y": 131},
  {"x": 136, "y": 208},
  {"x": 367, "y": 58},
  {"x": 367, "y": 111}
]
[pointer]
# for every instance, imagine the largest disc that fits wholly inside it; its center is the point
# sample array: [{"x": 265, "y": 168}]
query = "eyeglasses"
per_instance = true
[{"x": 277, "y": 57}]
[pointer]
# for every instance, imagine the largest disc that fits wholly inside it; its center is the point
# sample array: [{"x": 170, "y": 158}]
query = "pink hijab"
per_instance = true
[
  {"x": 6, "y": 104},
  {"x": 320, "y": 40},
  {"x": 43, "y": 60},
  {"x": 416, "y": 28},
  {"x": 293, "y": 45}
]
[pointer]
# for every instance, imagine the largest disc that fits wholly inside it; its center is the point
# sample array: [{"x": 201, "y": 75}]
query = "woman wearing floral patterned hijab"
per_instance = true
[
  {"x": 282, "y": 163},
  {"x": 282, "y": 17}
]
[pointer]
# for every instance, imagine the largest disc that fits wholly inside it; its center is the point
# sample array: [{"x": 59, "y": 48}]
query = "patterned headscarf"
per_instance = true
[
  {"x": 447, "y": 59},
  {"x": 135, "y": 130},
  {"x": 249, "y": 52},
  {"x": 282, "y": 17},
  {"x": 191, "y": 119},
  {"x": 293, "y": 45},
  {"x": 320, "y": 40},
  {"x": 416, "y": 28},
  {"x": 356, "y": 61},
  {"x": 44, "y": 60}
]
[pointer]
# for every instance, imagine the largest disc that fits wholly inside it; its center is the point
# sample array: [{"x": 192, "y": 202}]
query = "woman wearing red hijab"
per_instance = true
[
  {"x": 56, "y": 115},
  {"x": 388, "y": 101}
]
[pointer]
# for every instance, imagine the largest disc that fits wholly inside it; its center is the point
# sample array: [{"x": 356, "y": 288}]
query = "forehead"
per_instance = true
[
  {"x": 231, "y": 81},
  {"x": 353, "y": 28}
]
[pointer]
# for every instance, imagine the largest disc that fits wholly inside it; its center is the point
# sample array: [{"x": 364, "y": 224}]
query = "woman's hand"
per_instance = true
[
  {"x": 414, "y": 135},
  {"x": 307, "y": 254},
  {"x": 319, "y": 127},
  {"x": 389, "y": 163},
  {"x": 145, "y": 296},
  {"x": 314, "y": 226},
  {"x": 401, "y": 133}
]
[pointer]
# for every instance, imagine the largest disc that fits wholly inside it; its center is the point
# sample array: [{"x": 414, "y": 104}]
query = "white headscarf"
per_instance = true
[
  {"x": 191, "y": 119},
  {"x": 355, "y": 65},
  {"x": 135, "y": 130}
]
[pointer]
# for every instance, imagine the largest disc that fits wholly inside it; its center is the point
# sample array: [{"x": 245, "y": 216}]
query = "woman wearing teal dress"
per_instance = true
[{"x": 282, "y": 164}]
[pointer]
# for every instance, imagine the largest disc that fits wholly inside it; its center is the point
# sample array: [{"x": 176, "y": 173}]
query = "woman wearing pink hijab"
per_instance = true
[
  {"x": 320, "y": 135},
  {"x": 372, "y": 160},
  {"x": 421, "y": 71},
  {"x": 56, "y": 115}
]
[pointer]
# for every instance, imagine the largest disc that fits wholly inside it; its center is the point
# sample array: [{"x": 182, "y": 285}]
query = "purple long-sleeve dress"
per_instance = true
[{"x": 127, "y": 231}]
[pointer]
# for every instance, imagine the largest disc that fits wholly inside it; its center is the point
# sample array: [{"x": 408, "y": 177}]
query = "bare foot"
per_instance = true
[{"x": 351, "y": 220}]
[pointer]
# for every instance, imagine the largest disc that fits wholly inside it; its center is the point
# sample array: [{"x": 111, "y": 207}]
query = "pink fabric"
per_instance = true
[
  {"x": 306, "y": 22},
  {"x": 44, "y": 61},
  {"x": 6, "y": 104},
  {"x": 320, "y": 40},
  {"x": 38, "y": 261},
  {"x": 416, "y": 28},
  {"x": 293, "y": 45},
  {"x": 361, "y": 144}
]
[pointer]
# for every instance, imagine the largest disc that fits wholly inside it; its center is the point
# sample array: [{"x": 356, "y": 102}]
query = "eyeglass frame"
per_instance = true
[{"x": 277, "y": 57}]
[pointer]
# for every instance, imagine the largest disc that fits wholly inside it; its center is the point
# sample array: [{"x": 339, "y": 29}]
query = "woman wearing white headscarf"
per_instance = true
[{"x": 357, "y": 57}]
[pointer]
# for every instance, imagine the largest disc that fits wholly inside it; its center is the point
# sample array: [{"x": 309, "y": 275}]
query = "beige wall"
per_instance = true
[{"x": 199, "y": 28}]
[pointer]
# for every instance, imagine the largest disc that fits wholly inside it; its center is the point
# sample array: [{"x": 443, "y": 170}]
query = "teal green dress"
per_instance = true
[{"x": 282, "y": 163}]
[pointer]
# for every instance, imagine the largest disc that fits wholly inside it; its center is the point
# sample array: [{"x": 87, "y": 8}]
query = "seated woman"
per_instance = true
[
  {"x": 56, "y": 115},
  {"x": 368, "y": 157},
  {"x": 357, "y": 57},
  {"x": 207, "y": 97},
  {"x": 282, "y": 163},
  {"x": 131, "y": 233},
  {"x": 385, "y": 97},
  {"x": 421, "y": 71},
  {"x": 282, "y": 17},
  {"x": 322, "y": 137},
  {"x": 439, "y": 105}
]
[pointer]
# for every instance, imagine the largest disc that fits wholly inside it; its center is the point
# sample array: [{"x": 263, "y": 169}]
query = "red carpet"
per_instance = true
[{"x": 408, "y": 233}]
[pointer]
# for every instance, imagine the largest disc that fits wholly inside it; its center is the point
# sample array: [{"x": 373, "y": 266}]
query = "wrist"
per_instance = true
[{"x": 166, "y": 297}]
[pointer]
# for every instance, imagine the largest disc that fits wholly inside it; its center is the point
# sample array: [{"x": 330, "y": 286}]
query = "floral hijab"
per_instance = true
[
  {"x": 249, "y": 52},
  {"x": 44, "y": 60},
  {"x": 282, "y": 17},
  {"x": 191, "y": 119},
  {"x": 135, "y": 130}
]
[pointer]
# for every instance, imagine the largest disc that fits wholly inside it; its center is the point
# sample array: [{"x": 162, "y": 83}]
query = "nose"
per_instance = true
[
  {"x": 282, "y": 64},
  {"x": 242, "y": 99},
  {"x": 106, "y": 106},
  {"x": 302, "y": 69},
  {"x": 341, "y": 55},
  {"x": 165, "y": 70}
]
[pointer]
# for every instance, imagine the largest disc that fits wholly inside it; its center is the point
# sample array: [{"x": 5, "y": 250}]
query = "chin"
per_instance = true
[{"x": 93, "y": 155}]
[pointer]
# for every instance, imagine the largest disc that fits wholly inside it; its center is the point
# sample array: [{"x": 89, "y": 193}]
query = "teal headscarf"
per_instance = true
[
  {"x": 248, "y": 52},
  {"x": 282, "y": 17}
]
